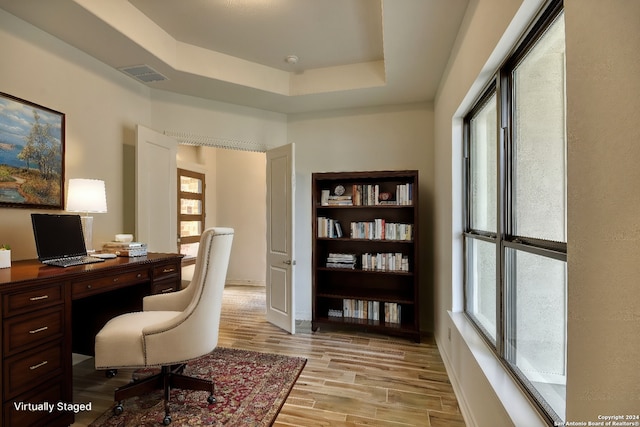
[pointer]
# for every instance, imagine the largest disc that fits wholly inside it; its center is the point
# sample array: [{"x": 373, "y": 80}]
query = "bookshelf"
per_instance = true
[{"x": 365, "y": 251}]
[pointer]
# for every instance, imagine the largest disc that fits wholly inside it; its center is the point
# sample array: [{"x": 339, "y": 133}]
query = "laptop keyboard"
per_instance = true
[{"x": 76, "y": 260}]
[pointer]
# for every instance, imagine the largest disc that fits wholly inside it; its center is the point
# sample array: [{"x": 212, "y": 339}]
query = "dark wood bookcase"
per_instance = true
[{"x": 365, "y": 251}]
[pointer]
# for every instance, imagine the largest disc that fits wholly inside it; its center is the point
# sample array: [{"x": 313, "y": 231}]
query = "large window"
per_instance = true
[{"x": 516, "y": 232}]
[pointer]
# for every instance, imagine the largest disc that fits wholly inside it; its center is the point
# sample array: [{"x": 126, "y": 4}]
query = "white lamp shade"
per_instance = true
[{"x": 86, "y": 195}]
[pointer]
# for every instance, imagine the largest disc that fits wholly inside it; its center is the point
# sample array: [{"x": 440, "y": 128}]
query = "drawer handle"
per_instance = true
[
  {"x": 139, "y": 275},
  {"x": 39, "y": 298},
  {"x": 89, "y": 286},
  {"x": 35, "y": 331},
  {"x": 164, "y": 291},
  {"x": 168, "y": 270},
  {"x": 39, "y": 365}
]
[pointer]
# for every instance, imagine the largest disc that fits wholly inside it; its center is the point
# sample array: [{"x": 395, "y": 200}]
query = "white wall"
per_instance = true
[{"x": 394, "y": 137}]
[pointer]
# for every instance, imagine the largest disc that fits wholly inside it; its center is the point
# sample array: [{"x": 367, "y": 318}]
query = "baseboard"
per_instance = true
[
  {"x": 466, "y": 412},
  {"x": 241, "y": 282}
]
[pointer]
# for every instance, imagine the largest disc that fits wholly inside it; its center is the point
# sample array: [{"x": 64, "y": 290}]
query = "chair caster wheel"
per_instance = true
[
  {"x": 211, "y": 399},
  {"x": 110, "y": 373},
  {"x": 118, "y": 409},
  {"x": 167, "y": 420}
]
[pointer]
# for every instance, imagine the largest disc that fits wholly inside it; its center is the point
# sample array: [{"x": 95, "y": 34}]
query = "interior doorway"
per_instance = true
[{"x": 235, "y": 197}]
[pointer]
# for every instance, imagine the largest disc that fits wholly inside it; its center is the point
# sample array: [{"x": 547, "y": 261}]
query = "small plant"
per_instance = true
[{"x": 5, "y": 248}]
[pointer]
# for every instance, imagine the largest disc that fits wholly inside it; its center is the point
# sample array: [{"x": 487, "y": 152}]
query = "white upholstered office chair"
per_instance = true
[{"x": 173, "y": 328}]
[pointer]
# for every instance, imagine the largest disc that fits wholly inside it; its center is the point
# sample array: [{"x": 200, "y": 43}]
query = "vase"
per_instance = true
[{"x": 5, "y": 258}]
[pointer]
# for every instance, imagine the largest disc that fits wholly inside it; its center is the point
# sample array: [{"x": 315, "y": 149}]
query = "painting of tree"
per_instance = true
[{"x": 31, "y": 155}]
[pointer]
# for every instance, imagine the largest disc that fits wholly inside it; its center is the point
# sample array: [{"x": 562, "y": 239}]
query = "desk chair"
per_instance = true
[{"x": 173, "y": 328}]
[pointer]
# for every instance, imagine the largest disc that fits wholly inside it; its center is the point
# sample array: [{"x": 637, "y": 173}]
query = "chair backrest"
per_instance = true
[{"x": 194, "y": 332}]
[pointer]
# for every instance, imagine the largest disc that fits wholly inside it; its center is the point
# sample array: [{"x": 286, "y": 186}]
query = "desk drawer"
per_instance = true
[
  {"x": 98, "y": 285},
  {"x": 166, "y": 271},
  {"x": 26, "y": 372},
  {"x": 164, "y": 286},
  {"x": 32, "y": 299},
  {"x": 51, "y": 393},
  {"x": 29, "y": 330}
]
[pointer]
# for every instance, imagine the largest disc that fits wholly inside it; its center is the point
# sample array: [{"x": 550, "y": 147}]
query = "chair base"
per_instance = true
[{"x": 168, "y": 378}]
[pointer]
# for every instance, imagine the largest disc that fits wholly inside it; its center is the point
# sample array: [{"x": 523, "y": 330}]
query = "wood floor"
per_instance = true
[{"x": 351, "y": 379}]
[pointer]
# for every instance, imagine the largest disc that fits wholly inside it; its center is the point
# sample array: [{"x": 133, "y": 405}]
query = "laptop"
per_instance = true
[{"x": 60, "y": 241}]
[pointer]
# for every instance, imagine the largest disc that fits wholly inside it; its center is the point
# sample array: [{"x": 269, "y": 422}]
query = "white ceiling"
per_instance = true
[{"x": 352, "y": 53}]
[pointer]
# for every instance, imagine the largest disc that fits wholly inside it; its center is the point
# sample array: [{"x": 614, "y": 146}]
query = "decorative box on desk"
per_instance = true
[
  {"x": 365, "y": 251},
  {"x": 128, "y": 249}
]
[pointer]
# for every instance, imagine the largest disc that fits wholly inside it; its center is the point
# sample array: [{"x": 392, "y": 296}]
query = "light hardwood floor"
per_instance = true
[{"x": 351, "y": 379}]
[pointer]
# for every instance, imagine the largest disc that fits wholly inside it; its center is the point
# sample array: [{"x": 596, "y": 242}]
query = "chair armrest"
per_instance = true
[{"x": 174, "y": 301}]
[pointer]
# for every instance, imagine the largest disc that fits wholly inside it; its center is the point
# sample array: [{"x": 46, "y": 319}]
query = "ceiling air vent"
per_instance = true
[{"x": 143, "y": 73}]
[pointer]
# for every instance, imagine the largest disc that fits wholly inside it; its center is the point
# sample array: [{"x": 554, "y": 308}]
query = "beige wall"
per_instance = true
[
  {"x": 603, "y": 93},
  {"x": 242, "y": 195},
  {"x": 603, "y": 63},
  {"x": 102, "y": 107}
]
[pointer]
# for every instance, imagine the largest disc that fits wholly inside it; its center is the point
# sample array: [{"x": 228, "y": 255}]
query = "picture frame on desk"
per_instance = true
[{"x": 32, "y": 148}]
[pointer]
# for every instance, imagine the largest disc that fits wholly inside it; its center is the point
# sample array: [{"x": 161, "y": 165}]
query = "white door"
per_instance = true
[
  {"x": 156, "y": 190},
  {"x": 280, "y": 237}
]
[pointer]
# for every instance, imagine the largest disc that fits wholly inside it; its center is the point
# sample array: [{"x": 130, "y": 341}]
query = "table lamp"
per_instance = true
[{"x": 88, "y": 196}]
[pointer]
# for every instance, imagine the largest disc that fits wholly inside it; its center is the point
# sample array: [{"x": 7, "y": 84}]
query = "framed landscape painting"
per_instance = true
[{"x": 31, "y": 155}]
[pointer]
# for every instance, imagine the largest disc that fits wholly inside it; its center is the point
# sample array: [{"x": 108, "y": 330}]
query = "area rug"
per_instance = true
[{"x": 250, "y": 389}]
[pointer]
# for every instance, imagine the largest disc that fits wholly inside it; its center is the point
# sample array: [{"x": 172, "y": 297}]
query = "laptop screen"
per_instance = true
[{"x": 58, "y": 236}]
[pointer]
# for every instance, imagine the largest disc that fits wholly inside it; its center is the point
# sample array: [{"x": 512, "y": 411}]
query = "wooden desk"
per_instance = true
[{"x": 50, "y": 312}]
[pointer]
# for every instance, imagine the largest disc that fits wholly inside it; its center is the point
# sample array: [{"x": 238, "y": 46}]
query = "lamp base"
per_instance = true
[{"x": 87, "y": 231}]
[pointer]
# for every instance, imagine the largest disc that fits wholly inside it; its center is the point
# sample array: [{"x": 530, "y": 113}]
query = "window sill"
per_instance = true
[{"x": 514, "y": 401}]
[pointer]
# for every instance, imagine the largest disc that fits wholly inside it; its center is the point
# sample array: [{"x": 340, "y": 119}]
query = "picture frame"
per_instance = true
[{"x": 32, "y": 152}]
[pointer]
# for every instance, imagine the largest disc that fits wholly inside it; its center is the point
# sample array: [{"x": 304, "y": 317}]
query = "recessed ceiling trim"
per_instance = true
[{"x": 186, "y": 138}]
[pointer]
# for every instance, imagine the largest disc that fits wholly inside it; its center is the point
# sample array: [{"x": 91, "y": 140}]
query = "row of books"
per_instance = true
[
  {"x": 385, "y": 262},
  {"x": 368, "y": 310},
  {"x": 328, "y": 227},
  {"x": 340, "y": 260},
  {"x": 379, "y": 229},
  {"x": 369, "y": 195}
]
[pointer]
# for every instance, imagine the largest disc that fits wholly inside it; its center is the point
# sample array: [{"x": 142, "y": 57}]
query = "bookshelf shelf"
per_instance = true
[{"x": 365, "y": 251}]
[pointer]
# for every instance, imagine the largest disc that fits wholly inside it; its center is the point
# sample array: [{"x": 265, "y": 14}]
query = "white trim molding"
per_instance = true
[{"x": 186, "y": 138}]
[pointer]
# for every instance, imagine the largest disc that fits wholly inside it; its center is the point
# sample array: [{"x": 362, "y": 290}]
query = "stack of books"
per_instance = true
[
  {"x": 341, "y": 261},
  {"x": 328, "y": 199},
  {"x": 126, "y": 249}
]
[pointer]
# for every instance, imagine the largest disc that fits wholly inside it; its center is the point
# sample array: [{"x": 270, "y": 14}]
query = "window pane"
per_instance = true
[
  {"x": 190, "y": 228},
  {"x": 540, "y": 173},
  {"x": 481, "y": 284},
  {"x": 536, "y": 323},
  {"x": 189, "y": 249},
  {"x": 190, "y": 185},
  {"x": 483, "y": 171},
  {"x": 190, "y": 207}
]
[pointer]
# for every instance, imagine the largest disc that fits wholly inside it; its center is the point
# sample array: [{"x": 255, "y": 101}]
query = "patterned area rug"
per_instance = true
[{"x": 250, "y": 389}]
